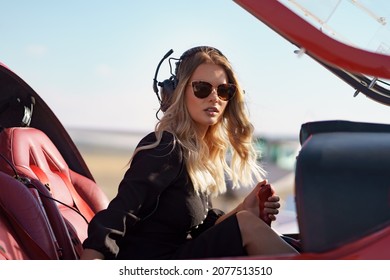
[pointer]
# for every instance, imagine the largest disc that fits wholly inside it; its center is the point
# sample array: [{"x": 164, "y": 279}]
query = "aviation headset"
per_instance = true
[{"x": 169, "y": 85}]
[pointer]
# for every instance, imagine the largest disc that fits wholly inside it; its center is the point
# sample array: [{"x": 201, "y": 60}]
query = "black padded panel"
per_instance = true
[
  {"x": 311, "y": 128},
  {"x": 342, "y": 185}
]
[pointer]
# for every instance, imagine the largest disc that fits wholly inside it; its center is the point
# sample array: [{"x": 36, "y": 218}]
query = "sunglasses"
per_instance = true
[{"x": 203, "y": 89}]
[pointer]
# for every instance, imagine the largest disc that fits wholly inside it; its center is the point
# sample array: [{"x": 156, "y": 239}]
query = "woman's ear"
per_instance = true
[{"x": 167, "y": 88}]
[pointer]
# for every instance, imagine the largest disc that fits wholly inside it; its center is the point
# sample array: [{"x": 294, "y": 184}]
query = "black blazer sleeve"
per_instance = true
[{"x": 151, "y": 171}]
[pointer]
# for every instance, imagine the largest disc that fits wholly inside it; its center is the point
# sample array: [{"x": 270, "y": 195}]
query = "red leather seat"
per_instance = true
[{"x": 34, "y": 155}]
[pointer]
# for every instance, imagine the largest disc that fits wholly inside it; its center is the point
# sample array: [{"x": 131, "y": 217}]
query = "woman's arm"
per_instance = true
[
  {"x": 150, "y": 172},
  {"x": 251, "y": 204}
]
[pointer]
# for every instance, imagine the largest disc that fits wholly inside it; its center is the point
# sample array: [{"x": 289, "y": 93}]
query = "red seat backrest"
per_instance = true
[{"x": 35, "y": 156}]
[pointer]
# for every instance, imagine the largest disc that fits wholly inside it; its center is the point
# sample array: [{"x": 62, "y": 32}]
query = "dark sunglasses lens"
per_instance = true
[
  {"x": 226, "y": 91},
  {"x": 202, "y": 89}
]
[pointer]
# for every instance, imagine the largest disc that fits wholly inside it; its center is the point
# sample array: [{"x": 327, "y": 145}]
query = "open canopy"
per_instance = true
[{"x": 351, "y": 38}]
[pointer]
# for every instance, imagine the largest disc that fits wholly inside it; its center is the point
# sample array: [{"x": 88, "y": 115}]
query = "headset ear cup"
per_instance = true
[{"x": 167, "y": 88}]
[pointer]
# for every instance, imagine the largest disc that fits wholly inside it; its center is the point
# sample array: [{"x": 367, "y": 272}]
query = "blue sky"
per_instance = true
[{"x": 93, "y": 62}]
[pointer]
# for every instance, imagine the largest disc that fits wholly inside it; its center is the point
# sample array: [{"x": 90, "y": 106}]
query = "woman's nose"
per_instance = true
[{"x": 214, "y": 95}]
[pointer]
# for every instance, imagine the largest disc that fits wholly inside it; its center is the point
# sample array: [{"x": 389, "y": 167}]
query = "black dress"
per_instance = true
[{"x": 157, "y": 214}]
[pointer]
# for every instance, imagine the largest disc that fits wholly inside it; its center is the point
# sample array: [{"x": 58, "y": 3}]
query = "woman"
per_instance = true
[{"x": 163, "y": 208}]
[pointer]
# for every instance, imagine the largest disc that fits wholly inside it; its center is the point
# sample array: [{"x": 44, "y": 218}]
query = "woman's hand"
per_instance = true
[
  {"x": 271, "y": 206},
  {"x": 251, "y": 204},
  {"x": 90, "y": 254}
]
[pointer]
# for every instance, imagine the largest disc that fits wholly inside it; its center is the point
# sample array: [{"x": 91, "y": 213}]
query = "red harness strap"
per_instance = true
[
  {"x": 78, "y": 201},
  {"x": 41, "y": 176}
]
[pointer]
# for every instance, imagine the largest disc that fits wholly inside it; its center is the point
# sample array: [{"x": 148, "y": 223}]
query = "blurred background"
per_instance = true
[{"x": 108, "y": 152}]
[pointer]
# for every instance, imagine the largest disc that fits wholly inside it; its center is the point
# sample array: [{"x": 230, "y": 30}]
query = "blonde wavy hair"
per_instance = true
[{"x": 207, "y": 159}]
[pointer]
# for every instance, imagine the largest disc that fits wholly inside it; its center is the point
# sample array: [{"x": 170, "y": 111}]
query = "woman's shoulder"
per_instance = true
[
  {"x": 166, "y": 145},
  {"x": 167, "y": 138},
  {"x": 166, "y": 149}
]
